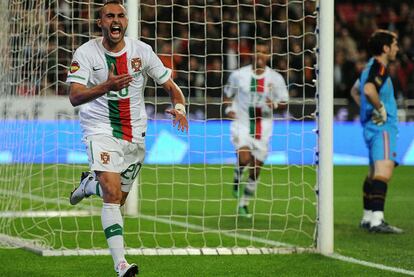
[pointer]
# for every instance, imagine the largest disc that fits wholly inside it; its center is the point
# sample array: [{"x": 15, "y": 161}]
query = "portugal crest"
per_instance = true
[
  {"x": 105, "y": 157},
  {"x": 136, "y": 64}
]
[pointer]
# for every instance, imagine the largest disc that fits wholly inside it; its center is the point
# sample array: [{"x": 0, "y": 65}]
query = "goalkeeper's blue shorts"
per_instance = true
[{"x": 381, "y": 142}]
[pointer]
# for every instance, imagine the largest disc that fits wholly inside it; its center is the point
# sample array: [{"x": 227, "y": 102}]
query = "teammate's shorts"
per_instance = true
[
  {"x": 110, "y": 154},
  {"x": 257, "y": 140},
  {"x": 381, "y": 142}
]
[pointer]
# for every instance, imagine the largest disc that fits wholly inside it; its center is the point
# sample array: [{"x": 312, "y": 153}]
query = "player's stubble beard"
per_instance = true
[{"x": 114, "y": 41}]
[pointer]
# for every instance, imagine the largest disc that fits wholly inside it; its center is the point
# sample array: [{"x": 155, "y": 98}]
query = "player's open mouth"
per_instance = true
[{"x": 116, "y": 31}]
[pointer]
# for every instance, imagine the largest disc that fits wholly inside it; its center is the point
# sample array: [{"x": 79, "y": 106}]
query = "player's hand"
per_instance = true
[
  {"x": 272, "y": 105},
  {"x": 379, "y": 117},
  {"x": 179, "y": 119},
  {"x": 117, "y": 82},
  {"x": 231, "y": 115},
  {"x": 230, "y": 112}
]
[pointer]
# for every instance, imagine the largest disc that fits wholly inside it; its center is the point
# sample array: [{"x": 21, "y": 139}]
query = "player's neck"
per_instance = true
[
  {"x": 113, "y": 47},
  {"x": 382, "y": 59}
]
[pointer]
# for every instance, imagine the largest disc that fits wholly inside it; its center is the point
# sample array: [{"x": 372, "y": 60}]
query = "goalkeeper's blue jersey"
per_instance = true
[{"x": 376, "y": 73}]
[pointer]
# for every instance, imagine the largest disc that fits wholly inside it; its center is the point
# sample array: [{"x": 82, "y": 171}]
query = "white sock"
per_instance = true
[
  {"x": 367, "y": 216},
  {"x": 238, "y": 173},
  {"x": 251, "y": 186},
  {"x": 113, "y": 228},
  {"x": 377, "y": 218},
  {"x": 93, "y": 187},
  {"x": 249, "y": 191}
]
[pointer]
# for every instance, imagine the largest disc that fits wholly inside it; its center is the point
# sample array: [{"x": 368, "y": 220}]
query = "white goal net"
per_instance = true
[{"x": 184, "y": 201}]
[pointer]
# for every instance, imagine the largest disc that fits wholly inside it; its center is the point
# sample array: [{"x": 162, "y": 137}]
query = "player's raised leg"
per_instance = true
[
  {"x": 250, "y": 189},
  {"x": 243, "y": 159},
  {"x": 88, "y": 186}
]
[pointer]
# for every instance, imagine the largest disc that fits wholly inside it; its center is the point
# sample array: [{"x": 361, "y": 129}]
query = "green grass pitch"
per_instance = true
[{"x": 284, "y": 211}]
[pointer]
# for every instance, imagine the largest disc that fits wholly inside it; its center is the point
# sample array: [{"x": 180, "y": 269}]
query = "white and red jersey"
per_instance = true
[
  {"x": 118, "y": 113},
  {"x": 250, "y": 92}
]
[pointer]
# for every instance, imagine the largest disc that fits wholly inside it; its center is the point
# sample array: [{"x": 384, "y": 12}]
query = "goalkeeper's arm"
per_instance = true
[
  {"x": 379, "y": 116},
  {"x": 355, "y": 92}
]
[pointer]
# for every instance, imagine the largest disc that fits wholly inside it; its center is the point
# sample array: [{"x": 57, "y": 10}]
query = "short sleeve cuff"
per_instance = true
[
  {"x": 76, "y": 79},
  {"x": 164, "y": 77}
]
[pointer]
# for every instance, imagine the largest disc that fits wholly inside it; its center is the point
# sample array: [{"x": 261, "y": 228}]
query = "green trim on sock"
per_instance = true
[{"x": 113, "y": 230}]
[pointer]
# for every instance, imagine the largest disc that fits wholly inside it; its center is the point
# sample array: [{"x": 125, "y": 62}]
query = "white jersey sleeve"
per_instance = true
[
  {"x": 156, "y": 69},
  {"x": 79, "y": 71},
  {"x": 231, "y": 87},
  {"x": 279, "y": 92}
]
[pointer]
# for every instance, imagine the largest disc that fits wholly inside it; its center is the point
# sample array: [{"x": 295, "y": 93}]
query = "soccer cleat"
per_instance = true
[
  {"x": 79, "y": 193},
  {"x": 244, "y": 212},
  {"x": 125, "y": 269},
  {"x": 364, "y": 225},
  {"x": 385, "y": 228}
]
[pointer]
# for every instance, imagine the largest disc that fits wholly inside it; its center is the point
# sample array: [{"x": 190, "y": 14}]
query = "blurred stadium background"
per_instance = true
[{"x": 198, "y": 47}]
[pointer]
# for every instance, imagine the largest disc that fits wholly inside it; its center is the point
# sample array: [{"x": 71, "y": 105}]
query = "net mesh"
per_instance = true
[{"x": 185, "y": 197}]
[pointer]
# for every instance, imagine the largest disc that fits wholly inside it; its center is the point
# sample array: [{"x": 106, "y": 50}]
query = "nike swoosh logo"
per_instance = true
[
  {"x": 114, "y": 230},
  {"x": 96, "y": 68}
]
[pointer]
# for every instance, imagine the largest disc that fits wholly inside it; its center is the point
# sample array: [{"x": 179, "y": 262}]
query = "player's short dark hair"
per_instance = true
[
  {"x": 378, "y": 40},
  {"x": 262, "y": 42},
  {"x": 119, "y": 2}
]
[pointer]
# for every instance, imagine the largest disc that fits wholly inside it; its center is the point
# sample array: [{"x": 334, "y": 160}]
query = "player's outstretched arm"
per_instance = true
[
  {"x": 178, "y": 101},
  {"x": 81, "y": 94}
]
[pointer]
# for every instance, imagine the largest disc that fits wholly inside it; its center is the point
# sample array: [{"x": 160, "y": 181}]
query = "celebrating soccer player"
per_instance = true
[
  {"x": 251, "y": 94},
  {"x": 378, "y": 114},
  {"x": 107, "y": 78}
]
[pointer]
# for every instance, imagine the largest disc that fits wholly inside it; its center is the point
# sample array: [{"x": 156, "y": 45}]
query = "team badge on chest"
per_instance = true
[{"x": 136, "y": 64}]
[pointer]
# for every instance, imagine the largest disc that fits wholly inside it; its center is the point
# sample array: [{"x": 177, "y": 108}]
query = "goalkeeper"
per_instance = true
[
  {"x": 251, "y": 94},
  {"x": 378, "y": 115},
  {"x": 107, "y": 78}
]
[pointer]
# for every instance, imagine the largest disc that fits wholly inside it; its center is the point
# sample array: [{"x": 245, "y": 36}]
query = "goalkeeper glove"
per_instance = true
[{"x": 379, "y": 116}]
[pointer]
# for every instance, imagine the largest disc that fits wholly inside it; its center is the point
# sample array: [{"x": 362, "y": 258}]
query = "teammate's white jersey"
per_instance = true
[
  {"x": 118, "y": 113},
  {"x": 250, "y": 93}
]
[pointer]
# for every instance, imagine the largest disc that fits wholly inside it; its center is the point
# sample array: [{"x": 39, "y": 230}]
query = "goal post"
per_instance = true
[
  {"x": 132, "y": 6},
  {"x": 325, "y": 118},
  {"x": 183, "y": 204}
]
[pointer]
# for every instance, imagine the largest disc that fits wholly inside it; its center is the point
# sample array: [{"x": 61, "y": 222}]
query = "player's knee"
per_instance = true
[
  {"x": 123, "y": 199},
  {"x": 244, "y": 158},
  {"x": 113, "y": 195},
  {"x": 383, "y": 177}
]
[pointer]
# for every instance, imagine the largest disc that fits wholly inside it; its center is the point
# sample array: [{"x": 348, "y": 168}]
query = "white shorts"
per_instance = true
[
  {"x": 241, "y": 137},
  {"x": 110, "y": 154}
]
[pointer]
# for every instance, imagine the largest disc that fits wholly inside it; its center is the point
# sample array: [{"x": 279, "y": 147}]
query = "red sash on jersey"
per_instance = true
[
  {"x": 120, "y": 109},
  {"x": 255, "y": 113}
]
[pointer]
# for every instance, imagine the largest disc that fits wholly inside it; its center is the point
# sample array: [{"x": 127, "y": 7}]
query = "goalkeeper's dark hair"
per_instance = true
[{"x": 378, "y": 40}]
